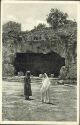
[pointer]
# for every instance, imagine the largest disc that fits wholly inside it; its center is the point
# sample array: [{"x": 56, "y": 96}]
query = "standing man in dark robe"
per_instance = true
[{"x": 27, "y": 86}]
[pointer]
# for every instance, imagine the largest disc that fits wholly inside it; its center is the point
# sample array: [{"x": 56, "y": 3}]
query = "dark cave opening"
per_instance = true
[{"x": 38, "y": 63}]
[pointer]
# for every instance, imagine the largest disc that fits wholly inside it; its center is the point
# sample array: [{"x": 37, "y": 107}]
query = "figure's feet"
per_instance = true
[
  {"x": 26, "y": 98},
  {"x": 42, "y": 101},
  {"x": 29, "y": 99},
  {"x": 48, "y": 101}
]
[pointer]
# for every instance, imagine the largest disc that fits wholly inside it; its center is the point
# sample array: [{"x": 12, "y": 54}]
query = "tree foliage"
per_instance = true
[
  {"x": 40, "y": 26},
  {"x": 56, "y": 18}
]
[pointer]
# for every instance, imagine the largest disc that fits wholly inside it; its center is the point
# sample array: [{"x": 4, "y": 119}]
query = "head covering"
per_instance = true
[
  {"x": 45, "y": 75},
  {"x": 27, "y": 73}
]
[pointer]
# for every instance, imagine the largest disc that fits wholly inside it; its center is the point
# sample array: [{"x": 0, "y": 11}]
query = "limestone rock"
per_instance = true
[{"x": 62, "y": 72}]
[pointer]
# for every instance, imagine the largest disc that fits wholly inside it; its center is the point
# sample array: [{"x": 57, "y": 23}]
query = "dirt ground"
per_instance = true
[{"x": 16, "y": 108}]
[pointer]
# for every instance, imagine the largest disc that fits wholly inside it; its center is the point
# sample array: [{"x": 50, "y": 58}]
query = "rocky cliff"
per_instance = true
[{"x": 63, "y": 41}]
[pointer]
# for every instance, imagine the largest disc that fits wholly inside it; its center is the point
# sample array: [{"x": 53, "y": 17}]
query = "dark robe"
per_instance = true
[{"x": 27, "y": 87}]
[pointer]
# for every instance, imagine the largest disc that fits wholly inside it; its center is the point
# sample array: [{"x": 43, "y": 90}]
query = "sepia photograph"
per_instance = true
[{"x": 39, "y": 62}]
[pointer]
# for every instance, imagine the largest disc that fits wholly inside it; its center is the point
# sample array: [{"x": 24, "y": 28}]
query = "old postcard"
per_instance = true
[{"x": 40, "y": 62}]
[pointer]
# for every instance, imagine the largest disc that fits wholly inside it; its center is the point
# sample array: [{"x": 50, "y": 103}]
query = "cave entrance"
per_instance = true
[{"x": 38, "y": 63}]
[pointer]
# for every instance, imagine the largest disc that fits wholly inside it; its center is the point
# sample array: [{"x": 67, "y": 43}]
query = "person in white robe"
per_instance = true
[{"x": 45, "y": 89}]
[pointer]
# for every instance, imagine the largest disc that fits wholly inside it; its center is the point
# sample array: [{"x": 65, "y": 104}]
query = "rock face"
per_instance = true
[
  {"x": 62, "y": 41},
  {"x": 62, "y": 73}
]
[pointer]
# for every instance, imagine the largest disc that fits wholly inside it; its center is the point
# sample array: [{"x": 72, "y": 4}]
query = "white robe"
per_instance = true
[{"x": 45, "y": 84}]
